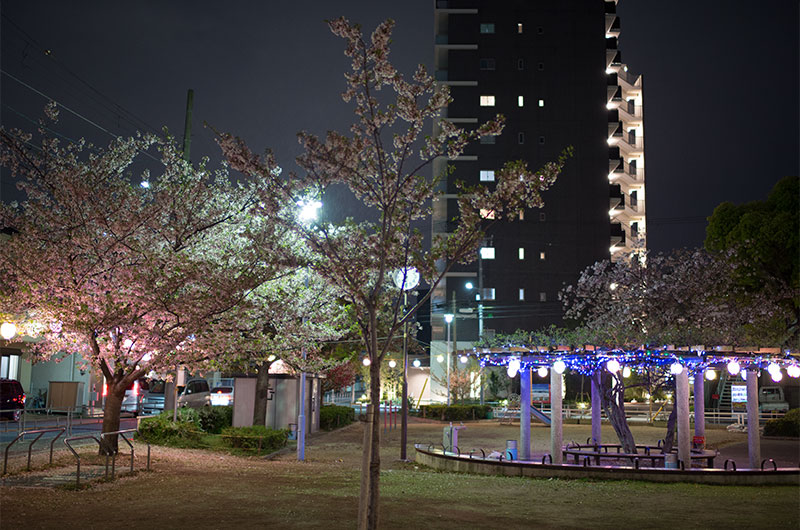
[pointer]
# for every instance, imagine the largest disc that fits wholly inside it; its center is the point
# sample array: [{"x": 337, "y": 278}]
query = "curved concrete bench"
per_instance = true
[{"x": 469, "y": 463}]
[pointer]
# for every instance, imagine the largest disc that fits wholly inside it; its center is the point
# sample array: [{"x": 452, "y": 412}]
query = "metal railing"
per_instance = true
[
  {"x": 103, "y": 446},
  {"x": 40, "y": 433}
]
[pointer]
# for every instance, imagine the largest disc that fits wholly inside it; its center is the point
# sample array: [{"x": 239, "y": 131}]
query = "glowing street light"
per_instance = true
[{"x": 8, "y": 330}]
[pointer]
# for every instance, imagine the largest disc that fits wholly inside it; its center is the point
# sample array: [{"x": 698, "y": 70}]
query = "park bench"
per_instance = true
[{"x": 602, "y": 452}]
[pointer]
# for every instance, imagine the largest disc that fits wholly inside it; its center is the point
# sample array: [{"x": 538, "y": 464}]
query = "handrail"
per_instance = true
[
  {"x": 40, "y": 432},
  {"x": 774, "y": 465},
  {"x": 77, "y": 456},
  {"x": 733, "y": 465},
  {"x": 544, "y": 457}
]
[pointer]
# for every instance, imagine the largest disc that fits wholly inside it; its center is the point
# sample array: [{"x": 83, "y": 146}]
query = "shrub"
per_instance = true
[
  {"x": 334, "y": 416},
  {"x": 259, "y": 438},
  {"x": 214, "y": 419},
  {"x": 788, "y": 425},
  {"x": 161, "y": 430},
  {"x": 455, "y": 412}
]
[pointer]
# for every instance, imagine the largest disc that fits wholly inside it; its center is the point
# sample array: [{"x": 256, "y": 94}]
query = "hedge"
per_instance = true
[
  {"x": 335, "y": 416},
  {"x": 263, "y": 439},
  {"x": 214, "y": 419},
  {"x": 161, "y": 430},
  {"x": 455, "y": 412},
  {"x": 788, "y": 425}
]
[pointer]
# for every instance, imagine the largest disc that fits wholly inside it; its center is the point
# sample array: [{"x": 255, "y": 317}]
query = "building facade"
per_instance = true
[{"x": 553, "y": 68}]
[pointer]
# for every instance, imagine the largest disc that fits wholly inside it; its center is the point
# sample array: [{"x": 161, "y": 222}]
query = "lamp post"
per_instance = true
[
  {"x": 308, "y": 213},
  {"x": 448, "y": 318},
  {"x": 405, "y": 279}
]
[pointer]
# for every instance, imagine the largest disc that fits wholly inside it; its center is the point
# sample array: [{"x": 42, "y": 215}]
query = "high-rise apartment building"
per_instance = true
[{"x": 554, "y": 70}]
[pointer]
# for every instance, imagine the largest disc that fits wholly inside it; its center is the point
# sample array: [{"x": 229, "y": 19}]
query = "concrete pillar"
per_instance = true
[
  {"x": 699, "y": 404},
  {"x": 597, "y": 406},
  {"x": 556, "y": 433},
  {"x": 682, "y": 403},
  {"x": 525, "y": 414},
  {"x": 753, "y": 438}
]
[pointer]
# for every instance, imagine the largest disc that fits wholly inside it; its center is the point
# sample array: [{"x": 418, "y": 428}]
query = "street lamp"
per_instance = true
[
  {"x": 307, "y": 215},
  {"x": 448, "y": 318},
  {"x": 8, "y": 330},
  {"x": 405, "y": 279}
]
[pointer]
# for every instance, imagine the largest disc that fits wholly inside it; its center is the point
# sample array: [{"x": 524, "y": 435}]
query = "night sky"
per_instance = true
[{"x": 720, "y": 82}]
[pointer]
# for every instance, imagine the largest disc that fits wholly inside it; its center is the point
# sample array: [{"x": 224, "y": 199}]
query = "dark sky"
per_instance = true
[{"x": 720, "y": 78}]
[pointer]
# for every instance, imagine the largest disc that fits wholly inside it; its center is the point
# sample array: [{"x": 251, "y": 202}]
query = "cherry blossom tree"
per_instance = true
[
  {"x": 381, "y": 161},
  {"x": 128, "y": 274}
]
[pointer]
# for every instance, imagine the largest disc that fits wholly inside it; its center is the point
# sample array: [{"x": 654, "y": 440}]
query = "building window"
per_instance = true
[
  {"x": 487, "y": 101},
  {"x": 542, "y": 255},
  {"x": 487, "y": 139},
  {"x": 540, "y": 30},
  {"x": 488, "y": 293},
  {"x": 487, "y": 175},
  {"x": 487, "y": 214},
  {"x": 543, "y": 297},
  {"x": 521, "y": 252},
  {"x": 487, "y": 28},
  {"x": 542, "y": 216},
  {"x": 541, "y": 140},
  {"x": 522, "y": 215},
  {"x": 522, "y": 295},
  {"x": 541, "y": 103},
  {"x": 541, "y": 66},
  {"x": 487, "y": 252},
  {"x": 520, "y": 64},
  {"x": 520, "y": 101},
  {"x": 487, "y": 63},
  {"x": 521, "y": 138}
]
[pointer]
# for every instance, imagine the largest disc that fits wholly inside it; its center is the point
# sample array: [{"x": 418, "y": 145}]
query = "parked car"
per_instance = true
[
  {"x": 771, "y": 399},
  {"x": 195, "y": 394},
  {"x": 153, "y": 397},
  {"x": 132, "y": 402},
  {"x": 222, "y": 396},
  {"x": 12, "y": 399}
]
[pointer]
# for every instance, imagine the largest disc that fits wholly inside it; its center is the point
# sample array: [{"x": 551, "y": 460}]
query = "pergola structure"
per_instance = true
[{"x": 697, "y": 361}]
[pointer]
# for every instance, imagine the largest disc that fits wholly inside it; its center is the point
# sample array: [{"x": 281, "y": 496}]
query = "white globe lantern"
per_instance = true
[
  {"x": 559, "y": 366},
  {"x": 8, "y": 330}
]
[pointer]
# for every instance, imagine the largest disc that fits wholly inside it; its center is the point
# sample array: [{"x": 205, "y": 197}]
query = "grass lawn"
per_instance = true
[{"x": 201, "y": 489}]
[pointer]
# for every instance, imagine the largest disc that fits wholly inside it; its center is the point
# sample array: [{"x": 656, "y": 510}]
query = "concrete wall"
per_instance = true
[
  {"x": 65, "y": 368},
  {"x": 283, "y": 408}
]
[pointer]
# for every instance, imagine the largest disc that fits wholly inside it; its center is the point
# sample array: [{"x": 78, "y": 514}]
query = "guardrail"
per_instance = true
[{"x": 30, "y": 447}]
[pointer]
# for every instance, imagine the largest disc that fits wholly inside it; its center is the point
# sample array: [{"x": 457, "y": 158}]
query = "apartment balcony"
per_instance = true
[
  {"x": 443, "y": 42},
  {"x": 630, "y": 114},
  {"x": 442, "y": 77},
  {"x": 617, "y": 234},
  {"x": 626, "y": 176},
  {"x": 457, "y": 6},
  {"x": 628, "y": 145},
  {"x": 612, "y": 25}
]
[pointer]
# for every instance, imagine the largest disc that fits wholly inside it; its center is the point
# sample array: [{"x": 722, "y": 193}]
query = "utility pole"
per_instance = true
[
  {"x": 187, "y": 125},
  {"x": 480, "y": 310}
]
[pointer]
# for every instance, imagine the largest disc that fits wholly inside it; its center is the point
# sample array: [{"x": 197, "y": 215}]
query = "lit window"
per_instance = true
[
  {"x": 520, "y": 64},
  {"x": 488, "y": 293},
  {"x": 519, "y": 27},
  {"x": 521, "y": 295},
  {"x": 521, "y": 138},
  {"x": 520, "y": 101},
  {"x": 522, "y": 215},
  {"x": 488, "y": 139},
  {"x": 487, "y": 252},
  {"x": 543, "y": 297},
  {"x": 487, "y": 63},
  {"x": 541, "y": 103},
  {"x": 487, "y": 101},
  {"x": 487, "y": 28},
  {"x": 487, "y": 175},
  {"x": 541, "y": 255},
  {"x": 521, "y": 253},
  {"x": 487, "y": 214}
]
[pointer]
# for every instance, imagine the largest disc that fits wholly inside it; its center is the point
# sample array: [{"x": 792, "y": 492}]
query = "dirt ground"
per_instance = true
[{"x": 190, "y": 488}]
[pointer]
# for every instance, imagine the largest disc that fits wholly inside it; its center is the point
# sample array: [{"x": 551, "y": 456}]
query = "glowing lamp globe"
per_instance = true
[
  {"x": 542, "y": 371},
  {"x": 440, "y": 358},
  {"x": 463, "y": 359},
  {"x": 733, "y": 368},
  {"x": 773, "y": 368},
  {"x": 513, "y": 367},
  {"x": 392, "y": 363},
  {"x": 559, "y": 367},
  {"x": 777, "y": 375},
  {"x": 793, "y": 370},
  {"x": 711, "y": 375},
  {"x": 366, "y": 361},
  {"x": 8, "y": 330},
  {"x": 612, "y": 366},
  {"x": 626, "y": 371},
  {"x": 417, "y": 363},
  {"x": 675, "y": 368}
]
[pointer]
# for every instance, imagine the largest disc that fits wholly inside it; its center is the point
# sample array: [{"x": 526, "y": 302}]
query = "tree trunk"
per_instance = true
[
  {"x": 111, "y": 413},
  {"x": 262, "y": 393},
  {"x": 371, "y": 464},
  {"x": 614, "y": 404}
]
